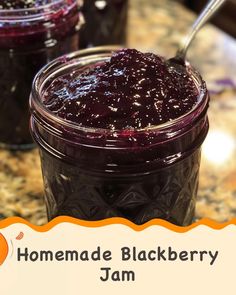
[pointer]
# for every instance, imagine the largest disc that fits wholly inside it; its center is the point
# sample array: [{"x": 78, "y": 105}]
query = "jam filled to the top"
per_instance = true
[
  {"x": 131, "y": 90},
  {"x": 23, "y": 4}
]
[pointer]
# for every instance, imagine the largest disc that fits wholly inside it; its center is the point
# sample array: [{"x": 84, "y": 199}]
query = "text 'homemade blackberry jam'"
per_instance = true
[
  {"x": 119, "y": 135},
  {"x": 32, "y": 33}
]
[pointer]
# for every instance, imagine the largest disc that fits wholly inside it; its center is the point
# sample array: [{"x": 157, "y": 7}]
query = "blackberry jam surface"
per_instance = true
[
  {"x": 130, "y": 91},
  {"x": 119, "y": 135},
  {"x": 31, "y": 34}
]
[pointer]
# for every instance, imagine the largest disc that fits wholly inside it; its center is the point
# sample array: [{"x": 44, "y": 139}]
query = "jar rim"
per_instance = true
[
  {"x": 37, "y": 14},
  {"x": 104, "y": 52}
]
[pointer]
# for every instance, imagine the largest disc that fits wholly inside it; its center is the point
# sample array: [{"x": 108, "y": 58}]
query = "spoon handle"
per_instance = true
[{"x": 204, "y": 16}]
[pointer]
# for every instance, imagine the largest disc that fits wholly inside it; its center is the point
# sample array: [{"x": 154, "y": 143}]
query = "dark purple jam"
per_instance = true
[
  {"x": 132, "y": 90},
  {"x": 120, "y": 136},
  {"x": 31, "y": 34}
]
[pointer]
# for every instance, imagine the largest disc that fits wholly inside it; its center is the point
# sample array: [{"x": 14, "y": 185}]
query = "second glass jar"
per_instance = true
[{"x": 29, "y": 39}]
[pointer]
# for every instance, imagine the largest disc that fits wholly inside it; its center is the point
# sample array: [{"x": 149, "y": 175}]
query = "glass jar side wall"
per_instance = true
[
  {"x": 168, "y": 193},
  {"x": 17, "y": 69}
]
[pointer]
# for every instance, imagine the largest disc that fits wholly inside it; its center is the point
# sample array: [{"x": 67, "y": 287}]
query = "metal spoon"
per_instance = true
[{"x": 204, "y": 16}]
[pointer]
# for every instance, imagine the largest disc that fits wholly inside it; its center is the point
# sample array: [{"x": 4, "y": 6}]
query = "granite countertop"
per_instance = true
[{"x": 157, "y": 26}]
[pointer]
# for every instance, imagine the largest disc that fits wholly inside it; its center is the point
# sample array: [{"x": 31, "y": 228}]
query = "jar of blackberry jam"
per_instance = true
[
  {"x": 120, "y": 134},
  {"x": 31, "y": 34}
]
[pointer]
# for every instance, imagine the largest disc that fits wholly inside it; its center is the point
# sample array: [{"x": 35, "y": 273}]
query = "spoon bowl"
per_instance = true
[{"x": 208, "y": 11}]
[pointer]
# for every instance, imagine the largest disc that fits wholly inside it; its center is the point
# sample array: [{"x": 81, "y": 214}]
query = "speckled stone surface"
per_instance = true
[{"x": 157, "y": 26}]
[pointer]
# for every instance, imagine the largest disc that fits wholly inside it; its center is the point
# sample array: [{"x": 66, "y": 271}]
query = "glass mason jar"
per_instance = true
[
  {"x": 93, "y": 174},
  {"x": 105, "y": 23},
  {"x": 29, "y": 39}
]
